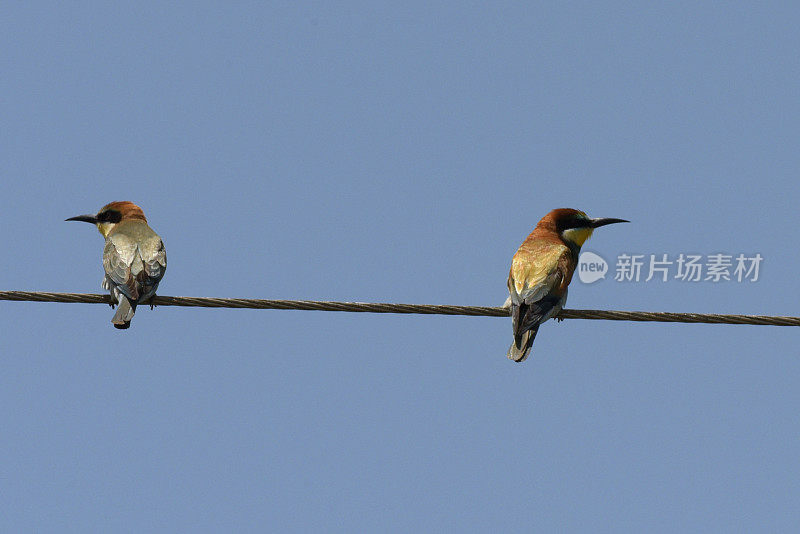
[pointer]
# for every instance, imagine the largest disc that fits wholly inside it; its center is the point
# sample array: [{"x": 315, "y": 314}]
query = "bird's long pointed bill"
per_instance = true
[
  {"x": 597, "y": 223},
  {"x": 85, "y": 218}
]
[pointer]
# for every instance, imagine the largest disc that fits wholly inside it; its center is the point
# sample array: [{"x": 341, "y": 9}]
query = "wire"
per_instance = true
[{"x": 429, "y": 309}]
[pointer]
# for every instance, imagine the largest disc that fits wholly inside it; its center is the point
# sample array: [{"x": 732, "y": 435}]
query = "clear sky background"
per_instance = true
[{"x": 399, "y": 153}]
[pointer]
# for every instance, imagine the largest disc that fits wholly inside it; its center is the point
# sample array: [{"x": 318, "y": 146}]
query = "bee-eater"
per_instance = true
[
  {"x": 541, "y": 271},
  {"x": 134, "y": 258}
]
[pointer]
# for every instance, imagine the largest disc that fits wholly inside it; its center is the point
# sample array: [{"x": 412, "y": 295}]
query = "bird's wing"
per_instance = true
[
  {"x": 149, "y": 265},
  {"x": 537, "y": 283},
  {"x": 118, "y": 256},
  {"x": 537, "y": 268},
  {"x": 154, "y": 258}
]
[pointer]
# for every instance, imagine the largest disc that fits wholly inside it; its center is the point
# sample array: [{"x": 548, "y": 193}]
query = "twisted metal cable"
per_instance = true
[{"x": 429, "y": 309}]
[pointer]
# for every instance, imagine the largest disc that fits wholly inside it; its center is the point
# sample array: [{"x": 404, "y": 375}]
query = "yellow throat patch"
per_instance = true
[
  {"x": 104, "y": 228},
  {"x": 577, "y": 235}
]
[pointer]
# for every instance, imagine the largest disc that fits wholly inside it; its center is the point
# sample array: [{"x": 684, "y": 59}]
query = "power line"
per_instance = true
[{"x": 428, "y": 309}]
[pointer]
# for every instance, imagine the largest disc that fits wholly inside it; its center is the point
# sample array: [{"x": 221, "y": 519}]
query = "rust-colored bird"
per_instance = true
[
  {"x": 542, "y": 269},
  {"x": 134, "y": 258}
]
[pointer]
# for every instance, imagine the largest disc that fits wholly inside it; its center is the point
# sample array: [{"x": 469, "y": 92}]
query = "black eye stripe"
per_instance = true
[
  {"x": 111, "y": 216},
  {"x": 574, "y": 222}
]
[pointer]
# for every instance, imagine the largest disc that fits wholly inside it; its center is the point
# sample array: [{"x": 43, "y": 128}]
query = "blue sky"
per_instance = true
[{"x": 401, "y": 153}]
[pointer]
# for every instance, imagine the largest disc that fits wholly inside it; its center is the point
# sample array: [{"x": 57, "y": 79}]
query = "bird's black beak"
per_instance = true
[
  {"x": 85, "y": 218},
  {"x": 597, "y": 223}
]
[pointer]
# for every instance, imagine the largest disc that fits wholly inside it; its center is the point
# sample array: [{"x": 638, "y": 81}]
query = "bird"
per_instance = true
[
  {"x": 542, "y": 269},
  {"x": 134, "y": 258}
]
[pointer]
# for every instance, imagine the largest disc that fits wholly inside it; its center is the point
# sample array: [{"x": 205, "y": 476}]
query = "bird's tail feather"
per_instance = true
[
  {"x": 125, "y": 311},
  {"x": 521, "y": 345}
]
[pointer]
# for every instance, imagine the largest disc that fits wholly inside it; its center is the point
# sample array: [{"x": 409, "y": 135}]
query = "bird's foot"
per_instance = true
[{"x": 150, "y": 302}]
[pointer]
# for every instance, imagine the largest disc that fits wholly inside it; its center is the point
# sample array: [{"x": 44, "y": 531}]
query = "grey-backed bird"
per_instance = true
[
  {"x": 542, "y": 269},
  {"x": 134, "y": 258}
]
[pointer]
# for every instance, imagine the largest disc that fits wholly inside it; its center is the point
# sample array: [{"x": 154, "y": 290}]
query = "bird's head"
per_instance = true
[
  {"x": 573, "y": 226},
  {"x": 112, "y": 214}
]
